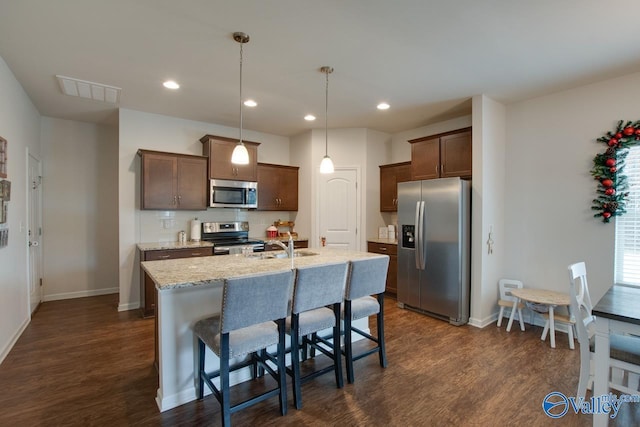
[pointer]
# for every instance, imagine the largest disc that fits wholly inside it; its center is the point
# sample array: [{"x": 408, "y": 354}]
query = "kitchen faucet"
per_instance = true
[{"x": 288, "y": 250}]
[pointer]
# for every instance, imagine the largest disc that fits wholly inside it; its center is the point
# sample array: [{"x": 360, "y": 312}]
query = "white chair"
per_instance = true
[
  {"x": 506, "y": 299},
  {"x": 625, "y": 350}
]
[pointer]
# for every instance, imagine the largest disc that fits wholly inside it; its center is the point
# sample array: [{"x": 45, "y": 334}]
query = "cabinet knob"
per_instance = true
[
  {"x": 165, "y": 256},
  {"x": 382, "y": 249},
  {"x": 175, "y": 200}
]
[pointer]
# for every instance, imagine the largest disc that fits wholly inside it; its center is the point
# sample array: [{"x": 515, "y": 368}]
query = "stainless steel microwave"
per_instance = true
[{"x": 233, "y": 194}]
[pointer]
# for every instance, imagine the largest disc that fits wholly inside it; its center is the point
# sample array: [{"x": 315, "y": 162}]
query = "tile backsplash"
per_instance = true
[{"x": 164, "y": 226}]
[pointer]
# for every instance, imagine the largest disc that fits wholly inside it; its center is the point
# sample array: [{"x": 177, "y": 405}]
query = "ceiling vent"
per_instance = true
[{"x": 89, "y": 90}]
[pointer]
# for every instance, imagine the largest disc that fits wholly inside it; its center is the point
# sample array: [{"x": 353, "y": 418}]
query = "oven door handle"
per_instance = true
[{"x": 221, "y": 250}]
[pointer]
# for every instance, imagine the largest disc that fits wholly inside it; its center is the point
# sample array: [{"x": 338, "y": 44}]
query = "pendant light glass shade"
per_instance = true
[
  {"x": 326, "y": 166},
  {"x": 240, "y": 155}
]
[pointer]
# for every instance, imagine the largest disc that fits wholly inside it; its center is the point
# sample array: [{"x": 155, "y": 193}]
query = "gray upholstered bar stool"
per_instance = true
[
  {"x": 315, "y": 288},
  {"x": 366, "y": 277},
  {"x": 245, "y": 326}
]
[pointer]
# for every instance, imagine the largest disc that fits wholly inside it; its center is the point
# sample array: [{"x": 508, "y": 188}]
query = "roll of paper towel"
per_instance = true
[{"x": 195, "y": 230}]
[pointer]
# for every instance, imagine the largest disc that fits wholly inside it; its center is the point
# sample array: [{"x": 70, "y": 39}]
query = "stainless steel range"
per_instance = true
[{"x": 230, "y": 237}]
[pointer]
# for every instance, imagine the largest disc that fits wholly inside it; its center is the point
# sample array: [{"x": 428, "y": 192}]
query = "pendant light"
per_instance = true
[
  {"x": 240, "y": 155},
  {"x": 326, "y": 166}
]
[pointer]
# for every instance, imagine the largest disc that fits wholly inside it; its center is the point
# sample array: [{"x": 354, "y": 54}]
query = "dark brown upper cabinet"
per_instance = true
[
  {"x": 173, "y": 181},
  {"x": 442, "y": 156},
  {"x": 390, "y": 176},
  {"x": 277, "y": 187},
  {"x": 219, "y": 149}
]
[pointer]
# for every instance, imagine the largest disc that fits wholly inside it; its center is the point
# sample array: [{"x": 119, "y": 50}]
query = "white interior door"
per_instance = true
[
  {"x": 339, "y": 208},
  {"x": 35, "y": 231}
]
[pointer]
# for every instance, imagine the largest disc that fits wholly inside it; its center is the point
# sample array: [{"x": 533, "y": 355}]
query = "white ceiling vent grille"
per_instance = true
[{"x": 89, "y": 90}]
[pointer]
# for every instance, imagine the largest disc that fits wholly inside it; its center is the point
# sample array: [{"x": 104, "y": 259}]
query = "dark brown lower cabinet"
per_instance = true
[
  {"x": 392, "y": 273},
  {"x": 297, "y": 244},
  {"x": 147, "y": 287}
]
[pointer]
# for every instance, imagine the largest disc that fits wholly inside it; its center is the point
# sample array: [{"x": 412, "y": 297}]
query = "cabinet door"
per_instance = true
[
  {"x": 192, "y": 183},
  {"x": 277, "y": 187},
  {"x": 455, "y": 153},
  {"x": 159, "y": 183},
  {"x": 288, "y": 193},
  {"x": 220, "y": 166},
  {"x": 248, "y": 172},
  {"x": 268, "y": 183},
  {"x": 388, "y": 189},
  {"x": 390, "y": 176},
  {"x": 425, "y": 159}
]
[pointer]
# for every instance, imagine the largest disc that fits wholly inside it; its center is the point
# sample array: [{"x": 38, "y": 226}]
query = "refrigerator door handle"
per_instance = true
[
  {"x": 416, "y": 236},
  {"x": 421, "y": 240}
]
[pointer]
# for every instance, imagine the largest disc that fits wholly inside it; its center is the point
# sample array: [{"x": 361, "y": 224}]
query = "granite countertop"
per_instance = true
[
  {"x": 386, "y": 241},
  {"x": 156, "y": 246},
  {"x": 198, "y": 271}
]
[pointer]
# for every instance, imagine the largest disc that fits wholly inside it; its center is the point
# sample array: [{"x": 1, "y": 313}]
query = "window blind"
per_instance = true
[{"x": 627, "y": 256}]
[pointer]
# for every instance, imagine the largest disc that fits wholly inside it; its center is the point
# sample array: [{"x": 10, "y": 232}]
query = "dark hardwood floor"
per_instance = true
[{"x": 81, "y": 363}]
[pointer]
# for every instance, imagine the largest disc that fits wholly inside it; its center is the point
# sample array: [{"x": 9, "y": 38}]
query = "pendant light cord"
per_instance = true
[
  {"x": 241, "y": 93},
  {"x": 326, "y": 116}
]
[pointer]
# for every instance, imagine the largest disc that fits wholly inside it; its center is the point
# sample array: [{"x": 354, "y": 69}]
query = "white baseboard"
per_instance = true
[
  {"x": 5, "y": 351},
  {"x": 481, "y": 323},
  {"x": 80, "y": 294},
  {"x": 128, "y": 306}
]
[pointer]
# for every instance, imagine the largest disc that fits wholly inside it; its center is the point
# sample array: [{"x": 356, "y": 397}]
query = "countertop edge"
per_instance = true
[{"x": 382, "y": 240}]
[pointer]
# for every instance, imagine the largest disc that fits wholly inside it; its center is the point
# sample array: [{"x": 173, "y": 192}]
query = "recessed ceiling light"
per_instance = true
[
  {"x": 383, "y": 106},
  {"x": 309, "y": 117},
  {"x": 250, "y": 103},
  {"x": 170, "y": 84}
]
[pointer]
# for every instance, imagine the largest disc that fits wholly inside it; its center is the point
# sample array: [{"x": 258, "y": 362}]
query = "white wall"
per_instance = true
[
  {"x": 20, "y": 126},
  {"x": 300, "y": 150},
  {"x": 550, "y": 149},
  {"x": 378, "y": 145},
  {"x": 488, "y": 204},
  {"x": 155, "y": 132},
  {"x": 80, "y": 209}
]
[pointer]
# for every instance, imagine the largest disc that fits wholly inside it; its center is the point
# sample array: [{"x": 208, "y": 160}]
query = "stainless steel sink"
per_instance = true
[
  {"x": 303, "y": 253},
  {"x": 284, "y": 254},
  {"x": 279, "y": 255}
]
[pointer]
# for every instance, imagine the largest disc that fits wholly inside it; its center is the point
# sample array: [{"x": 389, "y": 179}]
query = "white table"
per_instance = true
[
  {"x": 617, "y": 311},
  {"x": 541, "y": 296}
]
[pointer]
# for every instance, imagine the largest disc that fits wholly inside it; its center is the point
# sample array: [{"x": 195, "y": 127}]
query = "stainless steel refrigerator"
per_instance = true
[{"x": 434, "y": 247}]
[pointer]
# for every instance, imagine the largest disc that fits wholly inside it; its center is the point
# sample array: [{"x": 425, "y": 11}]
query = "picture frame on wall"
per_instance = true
[
  {"x": 3, "y": 157},
  {"x": 5, "y": 190}
]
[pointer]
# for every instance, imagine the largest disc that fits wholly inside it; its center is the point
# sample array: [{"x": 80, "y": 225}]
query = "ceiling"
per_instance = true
[{"x": 425, "y": 58}]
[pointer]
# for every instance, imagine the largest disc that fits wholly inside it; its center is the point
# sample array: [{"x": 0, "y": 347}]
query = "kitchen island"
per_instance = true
[{"x": 190, "y": 289}]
